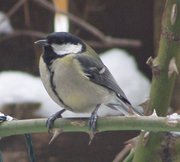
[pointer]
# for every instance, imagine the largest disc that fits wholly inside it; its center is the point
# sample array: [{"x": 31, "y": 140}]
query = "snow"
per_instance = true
[
  {"x": 173, "y": 121},
  {"x": 18, "y": 87},
  {"x": 5, "y": 26},
  {"x": 125, "y": 71}
]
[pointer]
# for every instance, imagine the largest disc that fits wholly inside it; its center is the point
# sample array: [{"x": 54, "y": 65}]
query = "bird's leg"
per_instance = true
[
  {"x": 52, "y": 118},
  {"x": 93, "y": 119}
]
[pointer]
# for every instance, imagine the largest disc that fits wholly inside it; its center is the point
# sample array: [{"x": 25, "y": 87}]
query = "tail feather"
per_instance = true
[
  {"x": 125, "y": 108},
  {"x": 135, "y": 110},
  {"x": 118, "y": 107}
]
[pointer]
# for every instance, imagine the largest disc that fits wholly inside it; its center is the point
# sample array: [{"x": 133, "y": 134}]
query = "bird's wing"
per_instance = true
[{"x": 98, "y": 73}]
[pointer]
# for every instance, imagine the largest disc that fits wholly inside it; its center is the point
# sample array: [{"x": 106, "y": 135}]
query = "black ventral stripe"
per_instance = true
[{"x": 53, "y": 87}]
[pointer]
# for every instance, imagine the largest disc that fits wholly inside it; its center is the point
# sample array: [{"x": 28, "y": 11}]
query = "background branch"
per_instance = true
[
  {"x": 15, "y": 33},
  {"x": 13, "y": 10},
  {"x": 106, "y": 40}
]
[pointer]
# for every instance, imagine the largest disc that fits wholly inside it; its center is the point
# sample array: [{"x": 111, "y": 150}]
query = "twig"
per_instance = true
[
  {"x": 16, "y": 33},
  {"x": 129, "y": 157},
  {"x": 38, "y": 34},
  {"x": 112, "y": 42},
  {"x": 27, "y": 14},
  {"x": 96, "y": 32},
  {"x": 13, "y": 10},
  {"x": 123, "y": 153},
  {"x": 106, "y": 41},
  {"x": 73, "y": 18}
]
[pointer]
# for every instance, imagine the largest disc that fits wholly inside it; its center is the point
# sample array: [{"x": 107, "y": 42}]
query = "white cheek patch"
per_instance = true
[{"x": 66, "y": 48}]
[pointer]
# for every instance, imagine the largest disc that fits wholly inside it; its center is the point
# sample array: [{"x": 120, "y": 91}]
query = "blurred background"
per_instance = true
[{"x": 124, "y": 33}]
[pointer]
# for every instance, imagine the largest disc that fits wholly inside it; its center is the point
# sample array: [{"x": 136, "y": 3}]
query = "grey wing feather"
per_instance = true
[{"x": 98, "y": 73}]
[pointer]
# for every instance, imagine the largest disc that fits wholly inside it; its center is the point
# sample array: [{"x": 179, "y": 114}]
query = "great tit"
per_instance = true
[{"x": 76, "y": 78}]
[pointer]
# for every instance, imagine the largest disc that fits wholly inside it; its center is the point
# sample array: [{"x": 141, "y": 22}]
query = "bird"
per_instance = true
[{"x": 77, "y": 80}]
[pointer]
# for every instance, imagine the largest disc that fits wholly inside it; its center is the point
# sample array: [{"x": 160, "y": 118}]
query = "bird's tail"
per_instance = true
[{"x": 125, "y": 108}]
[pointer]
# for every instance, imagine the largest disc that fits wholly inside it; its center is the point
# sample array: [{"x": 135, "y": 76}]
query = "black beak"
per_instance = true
[{"x": 42, "y": 42}]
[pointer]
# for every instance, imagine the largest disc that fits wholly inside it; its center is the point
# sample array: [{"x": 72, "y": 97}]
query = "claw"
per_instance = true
[
  {"x": 52, "y": 118},
  {"x": 93, "y": 119},
  {"x": 93, "y": 122}
]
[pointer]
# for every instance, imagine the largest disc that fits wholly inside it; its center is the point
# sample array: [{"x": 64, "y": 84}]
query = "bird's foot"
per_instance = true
[
  {"x": 93, "y": 122},
  {"x": 52, "y": 118},
  {"x": 93, "y": 119}
]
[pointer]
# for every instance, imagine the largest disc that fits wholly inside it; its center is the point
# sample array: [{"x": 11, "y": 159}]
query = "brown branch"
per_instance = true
[
  {"x": 113, "y": 42},
  {"x": 16, "y": 33},
  {"x": 38, "y": 34},
  {"x": 73, "y": 18},
  {"x": 27, "y": 14},
  {"x": 105, "y": 41},
  {"x": 96, "y": 32},
  {"x": 13, "y": 10}
]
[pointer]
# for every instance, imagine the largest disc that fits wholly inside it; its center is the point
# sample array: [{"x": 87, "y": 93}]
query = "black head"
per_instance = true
[
  {"x": 63, "y": 38},
  {"x": 60, "y": 44}
]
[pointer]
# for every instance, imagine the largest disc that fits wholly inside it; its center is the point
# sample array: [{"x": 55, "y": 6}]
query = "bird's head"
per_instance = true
[{"x": 60, "y": 44}]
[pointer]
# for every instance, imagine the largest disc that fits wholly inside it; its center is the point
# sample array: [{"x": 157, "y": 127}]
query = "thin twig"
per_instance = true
[
  {"x": 13, "y": 10},
  {"x": 16, "y": 33},
  {"x": 27, "y": 14},
  {"x": 73, "y": 18},
  {"x": 112, "y": 42},
  {"x": 96, "y": 32},
  {"x": 33, "y": 33},
  {"x": 123, "y": 153},
  {"x": 130, "y": 156},
  {"x": 106, "y": 41}
]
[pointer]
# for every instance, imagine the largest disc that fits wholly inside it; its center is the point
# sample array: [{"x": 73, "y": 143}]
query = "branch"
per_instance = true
[
  {"x": 124, "y": 153},
  {"x": 13, "y": 10},
  {"x": 16, "y": 33},
  {"x": 148, "y": 123},
  {"x": 106, "y": 40},
  {"x": 38, "y": 34},
  {"x": 164, "y": 74}
]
